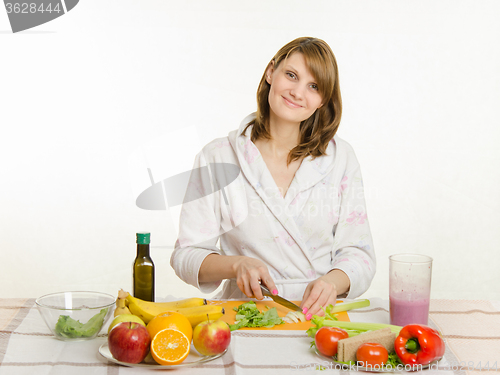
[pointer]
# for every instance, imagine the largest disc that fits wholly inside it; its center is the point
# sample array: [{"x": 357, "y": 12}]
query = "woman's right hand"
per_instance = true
[{"x": 250, "y": 273}]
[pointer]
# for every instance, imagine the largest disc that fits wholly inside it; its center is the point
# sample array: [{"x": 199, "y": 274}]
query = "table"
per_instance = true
[{"x": 471, "y": 330}]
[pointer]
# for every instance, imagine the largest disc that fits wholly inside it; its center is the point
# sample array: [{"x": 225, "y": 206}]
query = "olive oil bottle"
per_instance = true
[{"x": 144, "y": 270}]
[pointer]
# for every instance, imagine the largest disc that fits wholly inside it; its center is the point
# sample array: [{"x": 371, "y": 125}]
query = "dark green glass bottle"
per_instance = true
[{"x": 144, "y": 270}]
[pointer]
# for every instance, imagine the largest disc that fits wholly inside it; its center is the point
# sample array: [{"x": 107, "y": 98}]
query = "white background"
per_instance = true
[{"x": 91, "y": 100}]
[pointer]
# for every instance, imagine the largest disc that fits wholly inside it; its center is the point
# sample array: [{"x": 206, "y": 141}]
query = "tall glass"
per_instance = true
[{"x": 409, "y": 288}]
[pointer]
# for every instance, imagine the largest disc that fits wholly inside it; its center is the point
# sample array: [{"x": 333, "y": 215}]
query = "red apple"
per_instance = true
[
  {"x": 211, "y": 337},
  {"x": 129, "y": 342}
]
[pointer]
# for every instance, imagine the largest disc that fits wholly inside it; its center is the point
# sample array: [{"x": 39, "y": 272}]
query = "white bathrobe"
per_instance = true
[{"x": 319, "y": 225}]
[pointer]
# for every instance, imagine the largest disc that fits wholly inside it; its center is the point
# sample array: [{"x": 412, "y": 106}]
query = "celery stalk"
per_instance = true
[
  {"x": 346, "y": 306},
  {"x": 331, "y": 310},
  {"x": 358, "y": 326},
  {"x": 352, "y": 328}
]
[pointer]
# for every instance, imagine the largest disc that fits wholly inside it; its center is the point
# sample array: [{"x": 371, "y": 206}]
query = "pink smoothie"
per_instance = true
[{"x": 405, "y": 312}]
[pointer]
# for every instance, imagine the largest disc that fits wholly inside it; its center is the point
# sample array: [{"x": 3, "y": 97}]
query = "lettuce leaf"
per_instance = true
[
  {"x": 71, "y": 328},
  {"x": 248, "y": 315}
]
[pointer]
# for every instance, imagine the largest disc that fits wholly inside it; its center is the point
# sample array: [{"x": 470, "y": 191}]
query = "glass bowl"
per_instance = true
[{"x": 76, "y": 316}]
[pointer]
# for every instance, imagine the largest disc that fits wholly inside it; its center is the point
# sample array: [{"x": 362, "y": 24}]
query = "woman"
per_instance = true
[{"x": 294, "y": 219}]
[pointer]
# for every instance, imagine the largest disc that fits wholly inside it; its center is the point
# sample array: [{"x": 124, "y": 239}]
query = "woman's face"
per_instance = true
[{"x": 294, "y": 95}]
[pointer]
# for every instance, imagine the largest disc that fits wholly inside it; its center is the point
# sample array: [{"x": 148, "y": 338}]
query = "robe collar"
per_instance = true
[{"x": 254, "y": 169}]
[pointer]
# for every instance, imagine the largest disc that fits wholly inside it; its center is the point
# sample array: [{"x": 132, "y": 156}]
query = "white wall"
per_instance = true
[{"x": 88, "y": 100}]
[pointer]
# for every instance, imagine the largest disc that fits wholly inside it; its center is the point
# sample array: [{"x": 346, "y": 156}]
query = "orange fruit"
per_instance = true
[
  {"x": 170, "y": 347},
  {"x": 170, "y": 319}
]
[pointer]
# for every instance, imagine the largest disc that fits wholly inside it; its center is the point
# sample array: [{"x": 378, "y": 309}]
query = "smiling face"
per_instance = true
[{"x": 294, "y": 94}]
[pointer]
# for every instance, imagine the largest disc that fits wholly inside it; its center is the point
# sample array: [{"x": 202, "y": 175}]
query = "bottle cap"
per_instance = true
[{"x": 143, "y": 238}]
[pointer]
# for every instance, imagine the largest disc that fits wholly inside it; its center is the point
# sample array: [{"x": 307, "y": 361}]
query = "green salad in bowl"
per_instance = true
[{"x": 76, "y": 315}]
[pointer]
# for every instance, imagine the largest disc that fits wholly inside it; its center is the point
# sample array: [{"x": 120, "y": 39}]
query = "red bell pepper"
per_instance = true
[{"x": 418, "y": 344}]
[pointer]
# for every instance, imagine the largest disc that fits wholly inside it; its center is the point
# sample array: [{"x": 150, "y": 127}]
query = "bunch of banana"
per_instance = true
[
  {"x": 195, "y": 309},
  {"x": 121, "y": 304}
]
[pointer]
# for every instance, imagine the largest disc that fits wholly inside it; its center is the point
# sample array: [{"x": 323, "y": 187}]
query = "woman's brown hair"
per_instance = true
[{"x": 319, "y": 129}]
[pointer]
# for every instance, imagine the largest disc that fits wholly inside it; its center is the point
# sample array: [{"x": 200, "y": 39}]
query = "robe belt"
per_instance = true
[{"x": 293, "y": 281}]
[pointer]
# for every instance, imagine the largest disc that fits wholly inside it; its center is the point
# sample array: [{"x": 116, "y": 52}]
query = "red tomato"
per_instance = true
[
  {"x": 327, "y": 338},
  {"x": 371, "y": 354}
]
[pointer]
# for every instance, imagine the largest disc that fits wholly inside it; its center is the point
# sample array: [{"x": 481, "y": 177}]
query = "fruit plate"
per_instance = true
[
  {"x": 193, "y": 359},
  {"x": 331, "y": 363}
]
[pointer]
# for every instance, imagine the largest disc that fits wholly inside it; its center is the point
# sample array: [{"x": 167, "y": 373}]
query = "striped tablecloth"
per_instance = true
[{"x": 471, "y": 330}]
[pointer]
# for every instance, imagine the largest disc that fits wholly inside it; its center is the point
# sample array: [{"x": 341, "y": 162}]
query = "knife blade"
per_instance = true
[{"x": 282, "y": 301}]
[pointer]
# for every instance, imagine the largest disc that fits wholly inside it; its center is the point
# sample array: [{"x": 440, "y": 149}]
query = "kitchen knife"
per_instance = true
[{"x": 282, "y": 301}]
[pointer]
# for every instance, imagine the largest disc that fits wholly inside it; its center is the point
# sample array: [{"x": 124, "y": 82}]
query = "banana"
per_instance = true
[
  {"x": 199, "y": 314},
  {"x": 147, "y": 310},
  {"x": 188, "y": 302},
  {"x": 195, "y": 314},
  {"x": 121, "y": 308},
  {"x": 165, "y": 306}
]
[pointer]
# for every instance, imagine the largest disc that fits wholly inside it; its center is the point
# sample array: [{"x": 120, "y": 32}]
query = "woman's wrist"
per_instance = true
[
  {"x": 340, "y": 280},
  {"x": 216, "y": 267}
]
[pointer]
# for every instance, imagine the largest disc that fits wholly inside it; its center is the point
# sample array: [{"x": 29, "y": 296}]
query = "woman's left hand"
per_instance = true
[
  {"x": 323, "y": 292},
  {"x": 319, "y": 293}
]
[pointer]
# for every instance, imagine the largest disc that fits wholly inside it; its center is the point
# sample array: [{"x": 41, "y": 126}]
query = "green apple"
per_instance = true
[{"x": 125, "y": 318}]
